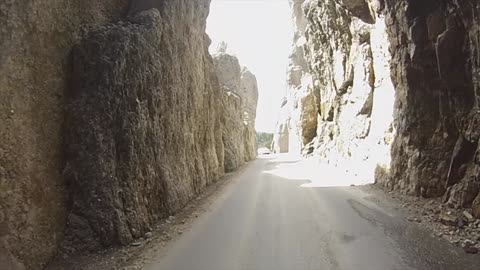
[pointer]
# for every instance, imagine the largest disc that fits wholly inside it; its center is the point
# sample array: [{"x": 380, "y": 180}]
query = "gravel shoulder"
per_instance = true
[{"x": 457, "y": 226}]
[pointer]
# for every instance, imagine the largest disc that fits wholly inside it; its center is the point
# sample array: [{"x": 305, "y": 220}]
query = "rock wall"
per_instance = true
[
  {"x": 436, "y": 45},
  {"x": 297, "y": 119},
  {"x": 143, "y": 129},
  {"x": 240, "y": 96},
  {"x": 339, "y": 103},
  {"x": 347, "y": 50},
  {"x": 36, "y": 38},
  {"x": 393, "y": 89},
  {"x": 249, "y": 90},
  {"x": 112, "y": 118},
  {"x": 281, "y": 134}
]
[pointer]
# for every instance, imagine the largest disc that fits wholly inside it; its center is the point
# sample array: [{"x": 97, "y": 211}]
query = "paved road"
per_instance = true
[{"x": 268, "y": 222}]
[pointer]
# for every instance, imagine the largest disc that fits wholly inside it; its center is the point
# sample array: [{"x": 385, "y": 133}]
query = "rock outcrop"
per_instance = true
[
  {"x": 340, "y": 93},
  {"x": 437, "y": 83},
  {"x": 143, "y": 123},
  {"x": 297, "y": 122},
  {"x": 389, "y": 87},
  {"x": 112, "y": 118},
  {"x": 249, "y": 92},
  {"x": 35, "y": 43},
  {"x": 281, "y": 135},
  {"x": 349, "y": 61},
  {"x": 240, "y": 96}
]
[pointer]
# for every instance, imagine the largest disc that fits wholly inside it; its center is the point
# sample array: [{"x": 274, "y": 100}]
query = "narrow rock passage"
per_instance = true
[{"x": 265, "y": 221}]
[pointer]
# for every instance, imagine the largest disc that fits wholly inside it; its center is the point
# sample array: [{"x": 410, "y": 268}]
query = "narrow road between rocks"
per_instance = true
[{"x": 268, "y": 221}]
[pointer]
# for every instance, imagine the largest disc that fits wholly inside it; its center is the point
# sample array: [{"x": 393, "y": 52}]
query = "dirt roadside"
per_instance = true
[{"x": 454, "y": 225}]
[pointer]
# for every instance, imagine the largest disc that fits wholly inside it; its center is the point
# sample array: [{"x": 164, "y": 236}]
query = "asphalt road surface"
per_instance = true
[{"x": 267, "y": 221}]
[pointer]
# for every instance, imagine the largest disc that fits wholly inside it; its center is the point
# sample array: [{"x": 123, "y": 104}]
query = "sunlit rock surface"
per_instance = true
[
  {"x": 249, "y": 92},
  {"x": 348, "y": 58},
  {"x": 240, "y": 97},
  {"x": 394, "y": 88},
  {"x": 297, "y": 123},
  {"x": 340, "y": 96},
  {"x": 281, "y": 135}
]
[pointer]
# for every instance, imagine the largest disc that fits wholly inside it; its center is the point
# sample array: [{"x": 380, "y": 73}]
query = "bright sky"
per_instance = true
[{"x": 259, "y": 33}]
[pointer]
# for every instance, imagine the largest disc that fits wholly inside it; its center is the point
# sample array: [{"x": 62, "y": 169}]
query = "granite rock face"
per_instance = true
[
  {"x": 112, "y": 118},
  {"x": 347, "y": 51},
  {"x": 389, "y": 88},
  {"x": 228, "y": 72},
  {"x": 281, "y": 135},
  {"x": 249, "y": 92},
  {"x": 437, "y": 83},
  {"x": 297, "y": 123},
  {"x": 240, "y": 96},
  {"x": 143, "y": 128},
  {"x": 36, "y": 38},
  {"x": 339, "y": 103}
]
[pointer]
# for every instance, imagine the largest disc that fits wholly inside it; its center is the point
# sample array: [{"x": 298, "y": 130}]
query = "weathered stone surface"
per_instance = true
[
  {"x": 476, "y": 207},
  {"x": 281, "y": 139},
  {"x": 249, "y": 89},
  {"x": 138, "y": 132},
  {"x": 281, "y": 135},
  {"x": 436, "y": 108},
  {"x": 396, "y": 89},
  {"x": 233, "y": 131},
  {"x": 359, "y": 8},
  {"x": 229, "y": 73},
  {"x": 240, "y": 96},
  {"x": 143, "y": 126},
  {"x": 297, "y": 121},
  {"x": 448, "y": 220},
  {"x": 249, "y": 93},
  {"x": 36, "y": 38},
  {"x": 468, "y": 217},
  {"x": 340, "y": 96}
]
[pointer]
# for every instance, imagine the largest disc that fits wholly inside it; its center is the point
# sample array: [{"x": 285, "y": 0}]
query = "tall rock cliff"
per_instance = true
[
  {"x": 391, "y": 88},
  {"x": 112, "y": 118},
  {"x": 339, "y": 101},
  {"x": 347, "y": 51},
  {"x": 297, "y": 119},
  {"x": 143, "y": 126},
  {"x": 436, "y": 47},
  {"x": 36, "y": 38},
  {"x": 240, "y": 96},
  {"x": 249, "y": 92}
]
